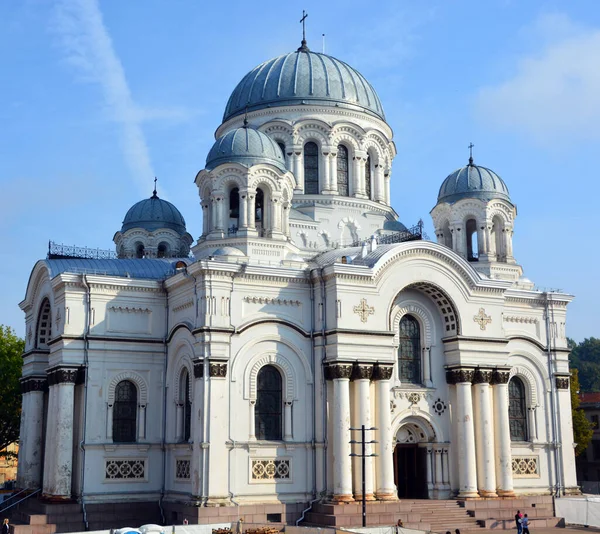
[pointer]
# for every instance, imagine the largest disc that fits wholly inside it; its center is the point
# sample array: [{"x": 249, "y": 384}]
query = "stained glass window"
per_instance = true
[
  {"x": 368, "y": 177},
  {"x": 517, "y": 413},
  {"x": 409, "y": 351},
  {"x": 269, "y": 404},
  {"x": 125, "y": 412},
  {"x": 311, "y": 169},
  {"x": 342, "y": 170}
]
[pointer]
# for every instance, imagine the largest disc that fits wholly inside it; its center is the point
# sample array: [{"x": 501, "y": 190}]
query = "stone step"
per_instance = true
[
  {"x": 501, "y": 513},
  {"x": 34, "y": 529},
  {"x": 505, "y": 524}
]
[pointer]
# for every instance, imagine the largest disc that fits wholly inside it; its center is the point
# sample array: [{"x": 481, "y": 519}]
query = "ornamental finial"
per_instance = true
[
  {"x": 471, "y": 145},
  {"x": 303, "y": 47},
  {"x": 154, "y": 195}
]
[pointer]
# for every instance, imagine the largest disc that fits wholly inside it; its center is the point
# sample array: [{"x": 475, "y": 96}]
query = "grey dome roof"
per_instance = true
[
  {"x": 473, "y": 181},
  {"x": 303, "y": 77},
  {"x": 247, "y": 147},
  {"x": 153, "y": 214}
]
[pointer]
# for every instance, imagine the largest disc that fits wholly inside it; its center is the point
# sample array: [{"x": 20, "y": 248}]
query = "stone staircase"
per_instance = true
[
  {"x": 439, "y": 516},
  {"x": 34, "y": 516}
]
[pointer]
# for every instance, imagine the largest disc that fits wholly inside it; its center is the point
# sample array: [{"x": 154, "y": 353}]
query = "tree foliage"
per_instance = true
[
  {"x": 11, "y": 350},
  {"x": 582, "y": 428},
  {"x": 585, "y": 357}
]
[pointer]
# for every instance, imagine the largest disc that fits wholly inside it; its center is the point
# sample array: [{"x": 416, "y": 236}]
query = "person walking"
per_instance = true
[
  {"x": 519, "y": 522},
  {"x": 5, "y": 527},
  {"x": 525, "y": 524}
]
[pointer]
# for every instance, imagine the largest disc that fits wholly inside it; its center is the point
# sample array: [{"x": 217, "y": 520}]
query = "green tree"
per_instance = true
[
  {"x": 582, "y": 428},
  {"x": 11, "y": 350},
  {"x": 585, "y": 357}
]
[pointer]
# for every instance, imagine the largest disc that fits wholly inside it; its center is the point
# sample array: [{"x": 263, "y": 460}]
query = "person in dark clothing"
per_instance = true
[
  {"x": 5, "y": 527},
  {"x": 519, "y": 522}
]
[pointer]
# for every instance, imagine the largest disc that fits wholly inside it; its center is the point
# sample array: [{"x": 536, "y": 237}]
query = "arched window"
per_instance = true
[
  {"x": 234, "y": 211},
  {"x": 311, "y": 168},
  {"x": 163, "y": 250},
  {"x": 259, "y": 211},
  {"x": 409, "y": 351},
  {"x": 517, "y": 412},
  {"x": 282, "y": 148},
  {"x": 184, "y": 399},
  {"x": 342, "y": 170},
  {"x": 139, "y": 250},
  {"x": 125, "y": 413},
  {"x": 368, "y": 177},
  {"x": 44, "y": 325},
  {"x": 269, "y": 404},
  {"x": 471, "y": 235}
]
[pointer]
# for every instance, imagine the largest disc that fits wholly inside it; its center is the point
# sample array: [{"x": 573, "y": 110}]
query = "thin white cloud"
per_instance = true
[
  {"x": 89, "y": 49},
  {"x": 553, "y": 95}
]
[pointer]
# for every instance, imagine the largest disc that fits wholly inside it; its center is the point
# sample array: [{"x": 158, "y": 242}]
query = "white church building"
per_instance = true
[{"x": 230, "y": 370}]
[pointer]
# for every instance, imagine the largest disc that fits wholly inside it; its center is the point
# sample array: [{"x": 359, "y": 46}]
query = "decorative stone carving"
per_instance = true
[
  {"x": 125, "y": 469},
  {"x": 340, "y": 370},
  {"x": 364, "y": 310},
  {"x": 439, "y": 406},
  {"x": 459, "y": 375},
  {"x": 64, "y": 375},
  {"x": 414, "y": 398},
  {"x": 500, "y": 376},
  {"x": 33, "y": 384},
  {"x": 362, "y": 371},
  {"x": 482, "y": 376},
  {"x": 271, "y": 469},
  {"x": 198, "y": 368},
  {"x": 482, "y": 319},
  {"x": 182, "y": 469},
  {"x": 382, "y": 371},
  {"x": 525, "y": 467},
  {"x": 217, "y": 369},
  {"x": 562, "y": 382}
]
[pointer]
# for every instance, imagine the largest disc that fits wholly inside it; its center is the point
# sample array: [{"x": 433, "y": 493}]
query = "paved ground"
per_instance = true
[{"x": 571, "y": 529}]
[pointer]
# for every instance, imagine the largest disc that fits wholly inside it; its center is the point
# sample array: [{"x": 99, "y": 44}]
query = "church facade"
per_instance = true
[{"x": 235, "y": 370}]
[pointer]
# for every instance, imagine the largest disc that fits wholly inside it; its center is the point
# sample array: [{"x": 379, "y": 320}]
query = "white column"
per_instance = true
[
  {"x": 205, "y": 221},
  {"x": 565, "y": 432},
  {"x": 252, "y": 421},
  {"x": 251, "y": 210},
  {"x": 30, "y": 444},
  {"x": 427, "y": 367},
  {"x": 326, "y": 173},
  {"x": 109, "y": 422},
  {"x": 378, "y": 183},
  {"x": 386, "y": 489},
  {"x": 439, "y": 470},
  {"x": 446, "y": 468},
  {"x": 243, "y": 218},
  {"x": 342, "y": 465},
  {"x": 388, "y": 197},
  {"x": 481, "y": 244},
  {"x": 57, "y": 485},
  {"x": 465, "y": 432},
  {"x": 429, "y": 468},
  {"x": 298, "y": 169},
  {"x": 287, "y": 421},
  {"x": 333, "y": 172},
  {"x": 142, "y": 422},
  {"x": 484, "y": 431},
  {"x": 504, "y": 480},
  {"x": 362, "y": 416},
  {"x": 197, "y": 431}
]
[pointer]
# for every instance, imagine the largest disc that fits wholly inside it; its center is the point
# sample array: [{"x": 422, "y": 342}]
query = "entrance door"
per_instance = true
[{"x": 410, "y": 467}]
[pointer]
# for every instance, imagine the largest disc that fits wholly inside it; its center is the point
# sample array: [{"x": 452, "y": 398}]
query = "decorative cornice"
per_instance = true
[
  {"x": 520, "y": 319},
  {"x": 482, "y": 376},
  {"x": 501, "y": 376},
  {"x": 183, "y": 306},
  {"x": 34, "y": 383},
  {"x": 198, "y": 368},
  {"x": 127, "y": 309},
  {"x": 459, "y": 375},
  {"x": 339, "y": 371},
  {"x": 217, "y": 369},
  {"x": 383, "y": 371},
  {"x": 362, "y": 371},
  {"x": 268, "y": 300},
  {"x": 65, "y": 375}
]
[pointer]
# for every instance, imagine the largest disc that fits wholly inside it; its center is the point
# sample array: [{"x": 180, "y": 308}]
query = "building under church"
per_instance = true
[{"x": 230, "y": 371}]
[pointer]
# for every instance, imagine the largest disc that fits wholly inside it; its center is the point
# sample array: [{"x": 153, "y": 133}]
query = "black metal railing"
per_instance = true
[
  {"x": 56, "y": 252},
  {"x": 414, "y": 233}
]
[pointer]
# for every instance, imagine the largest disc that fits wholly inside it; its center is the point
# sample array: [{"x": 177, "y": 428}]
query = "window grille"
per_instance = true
[
  {"x": 409, "y": 350},
  {"x": 125, "y": 413},
  {"x": 517, "y": 413},
  {"x": 269, "y": 404},
  {"x": 311, "y": 169},
  {"x": 368, "y": 177},
  {"x": 342, "y": 170}
]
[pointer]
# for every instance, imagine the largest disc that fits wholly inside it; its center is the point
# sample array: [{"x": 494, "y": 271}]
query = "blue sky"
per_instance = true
[{"x": 98, "y": 97}]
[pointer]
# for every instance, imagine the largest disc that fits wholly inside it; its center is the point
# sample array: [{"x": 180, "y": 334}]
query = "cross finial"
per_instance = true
[
  {"x": 154, "y": 195},
  {"x": 471, "y": 145},
  {"x": 303, "y": 47}
]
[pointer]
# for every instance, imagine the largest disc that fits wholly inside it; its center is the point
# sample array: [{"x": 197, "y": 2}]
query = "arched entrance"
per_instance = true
[{"x": 411, "y": 472}]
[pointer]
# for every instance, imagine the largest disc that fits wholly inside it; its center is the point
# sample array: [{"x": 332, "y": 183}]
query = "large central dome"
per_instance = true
[{"x": 303, "y": 77}]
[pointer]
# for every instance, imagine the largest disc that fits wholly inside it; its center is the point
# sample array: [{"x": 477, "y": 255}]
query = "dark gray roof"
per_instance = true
[
  {"x": 149, "y": 269},
  {"x": 247, "y": 147},
  {"x": 473, "y": 181},
  {"x": 153, "y": 214},
  {"x": 303, "y": 77},
  {"x": 299, "y": 216}
]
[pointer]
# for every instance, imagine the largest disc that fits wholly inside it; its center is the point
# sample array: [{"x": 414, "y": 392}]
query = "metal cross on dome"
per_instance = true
[
  {"x": 304, "y": 15},
  {"x": 482, "y": 319},
  {"x": 364, "y": 310}
]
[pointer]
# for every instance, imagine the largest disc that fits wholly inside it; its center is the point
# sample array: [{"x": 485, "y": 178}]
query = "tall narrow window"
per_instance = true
[
  {"x": 517, "y": 413},
  {"x": 44, "y": 325},
  {"x": 269, "y": 404},
  {"x": 282, "y": 148},
  {"x": 342, "y": 170},
  {"x": 163, "y": 250},
  {"x": 125, "y": 413},
  {"x": 259, "y": 211},
  {"x": 139, "y": 250},
  {"x": 471, "y": 235},
  {"x": 184, "y": 389},
  {"x": 234, "y": 211},
  {"x": 368, "y": 177},
  {"x": 409, "y": 351},
  {"x": 311, "y": 168}
]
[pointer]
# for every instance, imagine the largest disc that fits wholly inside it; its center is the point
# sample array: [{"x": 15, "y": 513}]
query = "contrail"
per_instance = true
[{"x": 89, "y": 48}]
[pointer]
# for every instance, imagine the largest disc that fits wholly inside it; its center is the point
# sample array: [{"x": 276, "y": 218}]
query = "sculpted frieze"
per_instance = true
[
  {"x": 459, "y": 375},
  {"x": 501, "y": 376},
  {"x": 362, "y": 371},
  {"x": 217, "y": 369},
  {"x": 482, "y": 376},
  {"x": 383, "y": 371},
  {"x": 339, "y": 370}
]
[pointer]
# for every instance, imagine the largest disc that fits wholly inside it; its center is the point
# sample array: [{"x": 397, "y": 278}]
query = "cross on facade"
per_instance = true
[
  {"x": 482, "y": 319},
  {"x": 364, "y": 310}
]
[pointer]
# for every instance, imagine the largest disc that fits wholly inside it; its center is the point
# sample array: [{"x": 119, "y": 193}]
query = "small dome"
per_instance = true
[
  {"x": 153, "y": 214},
  {"x": 247, "y": 147},
  {"x": 303, "y": 77},
  {"x": 227, "y": 251},
  {"x": 473, "y": 181}
]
